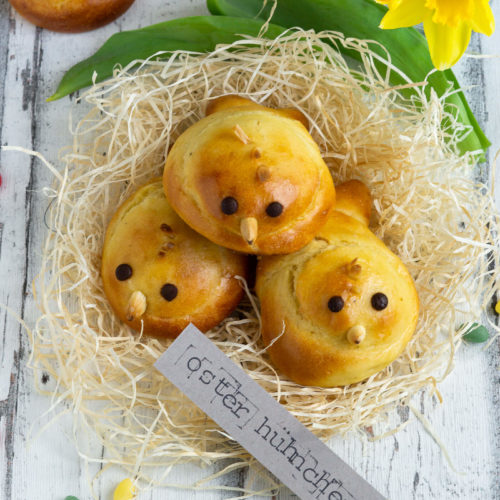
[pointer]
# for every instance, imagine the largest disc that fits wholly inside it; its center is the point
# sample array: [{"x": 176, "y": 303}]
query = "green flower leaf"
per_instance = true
[{"x": 196, "y": 34}]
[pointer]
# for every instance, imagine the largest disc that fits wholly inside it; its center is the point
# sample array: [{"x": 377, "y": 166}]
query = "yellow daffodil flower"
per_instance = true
[{"x": 447, "y": 24}]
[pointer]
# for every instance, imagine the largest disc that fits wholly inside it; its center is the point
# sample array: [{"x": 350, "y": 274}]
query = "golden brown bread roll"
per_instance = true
[
  {"x": 158, "y": 272},
  {"x": 250, "y": 178},
  {"x": 345, "y": 305},
  {"x": 71, "y": 15}
]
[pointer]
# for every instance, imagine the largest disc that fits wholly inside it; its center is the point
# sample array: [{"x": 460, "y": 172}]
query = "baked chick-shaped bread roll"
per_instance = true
[
  {"x": 159, "y": 273},
  {"x": 343, "y": 307},
  {"x": 250, "y": 178}
]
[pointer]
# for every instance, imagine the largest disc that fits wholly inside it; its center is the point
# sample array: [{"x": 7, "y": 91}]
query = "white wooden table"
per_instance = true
[{"x": 45, "y": 466}]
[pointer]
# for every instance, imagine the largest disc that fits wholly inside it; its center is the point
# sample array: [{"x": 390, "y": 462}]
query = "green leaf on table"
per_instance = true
[
  {"x": 197, "y": 34},
  {"x": 476, "y": 334},
  {"x": 407, "y": 47}
]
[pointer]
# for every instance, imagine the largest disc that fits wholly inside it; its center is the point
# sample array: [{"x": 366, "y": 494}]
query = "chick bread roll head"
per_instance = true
[
  {"x": 159, "y": 274},
  {"x": 250, "y": 178},
  {"x": 343, "y": 307}
]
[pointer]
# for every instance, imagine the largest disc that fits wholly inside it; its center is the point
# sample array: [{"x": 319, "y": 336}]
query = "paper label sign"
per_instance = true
[{"x": 259, "y": 423}]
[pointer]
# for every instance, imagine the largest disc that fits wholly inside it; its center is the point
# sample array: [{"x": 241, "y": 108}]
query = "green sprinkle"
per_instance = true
[
  {"x": 71, "y": 497},
  {"x": 476, "y": 334}
]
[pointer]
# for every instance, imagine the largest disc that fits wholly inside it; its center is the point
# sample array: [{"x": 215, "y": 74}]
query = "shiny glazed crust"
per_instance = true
[
  {"x": 146, "y": 234},
  {"x": 257, "y": 156},
  {"x": 71, "y": 15},
  {"x": 347, "y": 260}
]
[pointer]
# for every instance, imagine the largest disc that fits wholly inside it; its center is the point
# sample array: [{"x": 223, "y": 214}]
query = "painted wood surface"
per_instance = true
[{"x": 42, "y": 464}]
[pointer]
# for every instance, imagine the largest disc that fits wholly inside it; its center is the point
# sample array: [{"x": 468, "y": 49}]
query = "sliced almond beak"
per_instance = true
[
  {"x": 356, "y": 334},
  {"x": 249, "y": 229},
  {"x": 136, "y": 305}
]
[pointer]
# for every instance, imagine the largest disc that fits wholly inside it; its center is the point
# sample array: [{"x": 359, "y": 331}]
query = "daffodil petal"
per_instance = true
[
  {"x": 451, "y": 12},
  {"x": 483, "y": 20},
  {"x": 405, "y": 14},
  {"x": 446, "y": 43}
]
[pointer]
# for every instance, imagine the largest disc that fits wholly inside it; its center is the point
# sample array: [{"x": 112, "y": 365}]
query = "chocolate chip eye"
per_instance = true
[
  {"x": 274, "y": 209},
  {"x": 336, "y": 303},
  {"x": 169, "y": 291},
  {"x": 123, "y": 272},
  {"x": 379, "y": 301},
  {"x": 229, "y": 205}
]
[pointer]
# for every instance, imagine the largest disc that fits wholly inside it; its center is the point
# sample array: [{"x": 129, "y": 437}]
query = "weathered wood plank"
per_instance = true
[{"x": 15, "y": 204}]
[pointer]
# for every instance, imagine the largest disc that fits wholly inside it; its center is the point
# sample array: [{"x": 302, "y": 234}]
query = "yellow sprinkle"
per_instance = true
[
  {"x": 125, "y": 490},
  {"x": 497, "y": 307}
]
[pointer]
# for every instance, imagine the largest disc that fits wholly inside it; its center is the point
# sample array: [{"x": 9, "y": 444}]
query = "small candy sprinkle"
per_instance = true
[
  {"x": 497, "y": 307},
  {"x": 476, "y": 334},
  {"x": 71, "y": 497},
  {"x": 124, "y": 491}
]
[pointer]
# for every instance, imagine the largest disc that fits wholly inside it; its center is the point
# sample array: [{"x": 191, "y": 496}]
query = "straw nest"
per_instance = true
[{"x": 427, "y": 209}]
